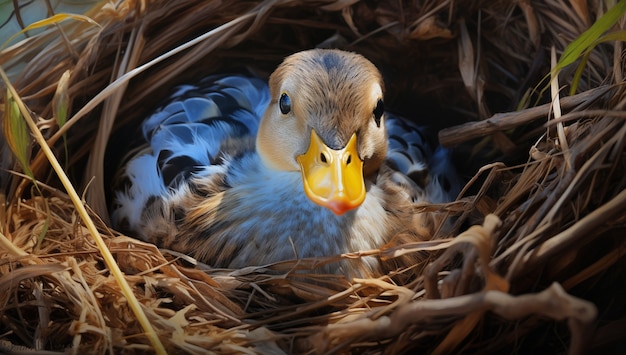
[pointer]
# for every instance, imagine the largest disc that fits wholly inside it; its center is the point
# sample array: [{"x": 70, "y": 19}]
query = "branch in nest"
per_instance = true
[
  {"x": 475, "y": 245},
  {"x": 504, "y": 121},
  {"x": 553, "y": 302}
]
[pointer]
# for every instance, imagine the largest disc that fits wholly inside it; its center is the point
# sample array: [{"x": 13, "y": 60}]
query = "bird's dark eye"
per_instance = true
[
  {"x": 284, "y": 103},
  {"x": 378, "y": 111}
]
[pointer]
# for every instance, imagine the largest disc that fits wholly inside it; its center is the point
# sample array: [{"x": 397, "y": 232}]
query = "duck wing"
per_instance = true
[
  {"x": 425, "y": 167},
  {"x": 186, "y": 136}
]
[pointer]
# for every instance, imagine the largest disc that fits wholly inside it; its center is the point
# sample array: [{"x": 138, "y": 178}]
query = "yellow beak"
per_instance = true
[{"x": 333, "y": 178}]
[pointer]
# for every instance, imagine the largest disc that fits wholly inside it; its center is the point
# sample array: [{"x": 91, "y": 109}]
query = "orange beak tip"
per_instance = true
[{"x": 340, "y": 207}]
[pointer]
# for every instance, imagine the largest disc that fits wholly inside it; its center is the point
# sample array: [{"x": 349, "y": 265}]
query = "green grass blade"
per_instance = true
[
  {"x": 16, "y": 134},
  {"x": 612, "y": 36},
  {"x": 60, "y": 107},
  {"x": 44, "y": 229},
  {"x": 609, "y": 37},
  {"x": 61, "y": 100},
  {"x": 588, "y": 38},
  {"x": 579, "y": 73}
]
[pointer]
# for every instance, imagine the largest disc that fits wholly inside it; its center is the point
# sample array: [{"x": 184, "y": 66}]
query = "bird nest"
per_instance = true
[{"x": 535, "y": 260}]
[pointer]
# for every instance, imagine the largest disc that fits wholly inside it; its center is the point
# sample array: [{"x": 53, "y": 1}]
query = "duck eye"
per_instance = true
[
  {"x": 378, "y": 111},
  {"x": 284, "y": 103}
]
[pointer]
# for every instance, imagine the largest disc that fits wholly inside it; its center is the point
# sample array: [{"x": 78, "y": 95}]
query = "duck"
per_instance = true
[{"x": 237, "y": 171}]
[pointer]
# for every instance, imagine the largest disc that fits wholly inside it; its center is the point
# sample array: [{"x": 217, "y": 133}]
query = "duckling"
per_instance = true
[{"x": 236, "y": 172}]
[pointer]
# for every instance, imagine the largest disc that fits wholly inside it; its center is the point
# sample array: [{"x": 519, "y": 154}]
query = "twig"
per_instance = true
[
  {"x": 503, "y": 121},
  {"x": 553, "y": 302},
  {"x": 581, "y": 229}
]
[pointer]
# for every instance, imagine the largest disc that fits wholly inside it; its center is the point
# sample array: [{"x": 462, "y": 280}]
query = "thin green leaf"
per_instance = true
[
  {"x": 588, "y": 38},
  {"x": 609, "y": 37},
  {"x": 16, "y": 134},
  {"x": 61, "y": 99},
  {"x": 612, "y": 36},
  {"x": 585, "y": 43},
  {"x": 60, "y": 104},
  {"x": 579, "y": 73},
  {"x": 44, "y": 229}
]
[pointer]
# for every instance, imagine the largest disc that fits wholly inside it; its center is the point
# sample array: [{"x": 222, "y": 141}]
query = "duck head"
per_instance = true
[{"x": 326, "y": 120}]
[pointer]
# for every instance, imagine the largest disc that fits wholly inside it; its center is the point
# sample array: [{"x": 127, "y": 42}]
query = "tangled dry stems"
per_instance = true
[{"x": 546, "y": 222}]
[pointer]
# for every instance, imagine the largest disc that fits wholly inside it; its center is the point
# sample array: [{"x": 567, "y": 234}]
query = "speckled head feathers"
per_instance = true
[{"x": 332, "y": 92}]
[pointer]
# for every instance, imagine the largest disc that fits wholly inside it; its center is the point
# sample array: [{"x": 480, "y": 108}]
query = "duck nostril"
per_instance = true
[
  {"x": 349, "y": 160},
  {"x": 323, "y": 158}
]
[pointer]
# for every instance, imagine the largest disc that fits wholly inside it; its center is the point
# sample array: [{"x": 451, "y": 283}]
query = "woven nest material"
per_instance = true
[{"x": 536, "y": 262}]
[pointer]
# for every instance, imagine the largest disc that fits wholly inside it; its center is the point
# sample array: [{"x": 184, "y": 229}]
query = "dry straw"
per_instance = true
[{"x": 535, "y": 262}]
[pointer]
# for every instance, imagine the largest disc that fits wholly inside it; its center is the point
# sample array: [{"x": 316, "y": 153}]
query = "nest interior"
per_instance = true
[{"x": 536, "y": 259}]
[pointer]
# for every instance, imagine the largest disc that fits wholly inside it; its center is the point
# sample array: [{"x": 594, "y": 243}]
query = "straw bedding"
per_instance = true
[{"x": 536, "y": 259}]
